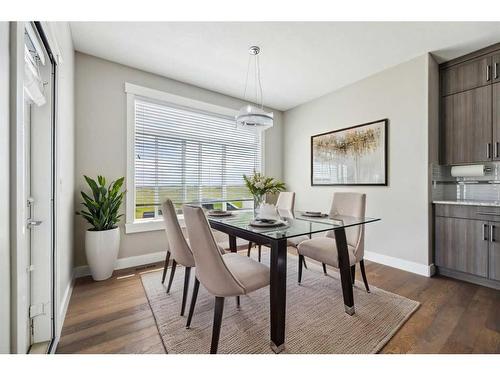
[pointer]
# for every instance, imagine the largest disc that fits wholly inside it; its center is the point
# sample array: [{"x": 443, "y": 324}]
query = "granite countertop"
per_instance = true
[{"x": 469, "y": 202}]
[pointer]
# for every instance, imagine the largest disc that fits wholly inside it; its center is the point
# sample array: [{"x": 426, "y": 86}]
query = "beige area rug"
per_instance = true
[{"x": 315, "y": 321}]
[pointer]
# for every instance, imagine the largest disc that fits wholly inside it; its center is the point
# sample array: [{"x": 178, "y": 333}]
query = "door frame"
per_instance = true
[{"x": 17, "y": 189}]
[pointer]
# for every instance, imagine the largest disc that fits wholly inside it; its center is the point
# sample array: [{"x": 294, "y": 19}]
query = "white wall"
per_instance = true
[
  {"x": 101, "y": 135},
  {"x": 401, "y": 95},
  {"x": 4, "y": 191},
  {"x": 65, "y": 178}
]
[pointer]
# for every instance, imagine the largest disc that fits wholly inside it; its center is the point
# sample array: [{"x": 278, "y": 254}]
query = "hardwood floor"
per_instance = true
[{"x": 113, "y": 316}]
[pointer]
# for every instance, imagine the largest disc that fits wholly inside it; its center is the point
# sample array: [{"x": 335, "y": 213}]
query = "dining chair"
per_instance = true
[
  {"x": 222, "y": 276},
  {"x": 285, "y": 206},
  {"x": 178, "y": 250},
  {"x": 324, "y": 249}
]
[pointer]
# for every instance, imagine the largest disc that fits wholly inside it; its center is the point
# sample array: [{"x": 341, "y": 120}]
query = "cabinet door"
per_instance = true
[
  {"x": 494, "y": 254},
  {"x": 467, "y": 126},
  {"x": 466, "y": 76},
  {"x": 495, "y": 67},
  {"x": 462, "y": 245},
  {"x": 496, "y": 120}
]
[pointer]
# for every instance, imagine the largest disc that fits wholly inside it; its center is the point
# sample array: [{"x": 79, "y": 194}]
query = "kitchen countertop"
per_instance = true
[{"x": 469, "y": 202}]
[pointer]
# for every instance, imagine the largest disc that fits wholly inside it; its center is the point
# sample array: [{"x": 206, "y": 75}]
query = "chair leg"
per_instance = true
[
  {"x": 260, "y": 252},
  {"x": 172, "y": 272},
  {"x": 167, "y": 259},
  {"x": 218, "y": 310},
  {"x": 363, "y": 273},
  {"x": 304, "y": 261},
  {"x": 324, "y": 268},
  {"x": 187, "y": 272},
  {"x": 353, "y": 273},
  {"x": 301, "y": 262},
  {"x": 238, "y": 301},
  {"x": 250, "y": 244},
  {"x": 193, "y": 301}
]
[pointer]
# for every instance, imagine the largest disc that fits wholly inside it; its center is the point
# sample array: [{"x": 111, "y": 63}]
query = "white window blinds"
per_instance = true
[{"x": 190, "y": 156}]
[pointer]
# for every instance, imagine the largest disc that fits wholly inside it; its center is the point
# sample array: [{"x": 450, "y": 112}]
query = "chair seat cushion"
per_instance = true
[
  {"x": 251, "y": 274},
  {"x": 295, "y": 241},
  {"x": 324, "y": 250}
]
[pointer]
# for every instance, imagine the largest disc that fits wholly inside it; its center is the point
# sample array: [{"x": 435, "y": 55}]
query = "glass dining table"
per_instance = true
[{"x": 238, "y": 225}]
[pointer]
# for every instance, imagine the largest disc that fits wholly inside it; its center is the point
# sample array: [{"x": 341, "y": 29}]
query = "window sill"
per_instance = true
[{"x": 149, "y": 225}]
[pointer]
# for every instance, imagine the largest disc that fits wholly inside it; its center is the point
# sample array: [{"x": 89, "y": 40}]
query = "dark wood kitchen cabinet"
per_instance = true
[
  {"x": 466, "y": 76},
  {"x": 494, "y": 258},
  {"x": 462, "y": 245},
  {"x": 496, "y": 120},
  {"x": 470, "y": 108},
  {"x": 467, "y": 243},
  {"x": 467, "y": 126}
]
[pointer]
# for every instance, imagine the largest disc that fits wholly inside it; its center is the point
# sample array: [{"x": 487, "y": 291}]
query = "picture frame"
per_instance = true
[{"x": 352, "y": 156}]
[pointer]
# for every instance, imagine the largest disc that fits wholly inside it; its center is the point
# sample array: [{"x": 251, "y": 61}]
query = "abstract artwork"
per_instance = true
[{"x": 351, "y": 156}]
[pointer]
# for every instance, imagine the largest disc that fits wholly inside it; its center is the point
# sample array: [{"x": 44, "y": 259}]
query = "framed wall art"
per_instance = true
[{"x": 351, "y": 156}]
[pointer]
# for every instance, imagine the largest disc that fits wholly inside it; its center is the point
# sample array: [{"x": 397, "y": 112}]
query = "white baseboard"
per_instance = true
[
  {"x": 128, "y": 262},
  {"x": 405, "y": 265},
  {"x": 140, "y": 260}
]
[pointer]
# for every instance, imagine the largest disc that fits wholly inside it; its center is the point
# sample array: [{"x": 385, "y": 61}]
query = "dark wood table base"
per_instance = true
[{"x": 278, "y": 268}]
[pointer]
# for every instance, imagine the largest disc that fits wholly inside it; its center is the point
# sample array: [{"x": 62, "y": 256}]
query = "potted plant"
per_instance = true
[
  {"x": 260, "y": 185},
  {"x": 102, "y": 240}
]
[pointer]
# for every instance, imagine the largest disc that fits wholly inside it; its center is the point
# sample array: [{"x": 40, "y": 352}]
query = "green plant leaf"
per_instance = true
[{"x": 102, "y": 210}]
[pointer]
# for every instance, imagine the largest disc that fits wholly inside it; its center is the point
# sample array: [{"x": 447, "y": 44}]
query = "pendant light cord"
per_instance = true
[
  {"x": 260, "y": 83},
  {"x": 246, "y": 81},
  {"x": 257, "y": 81}
]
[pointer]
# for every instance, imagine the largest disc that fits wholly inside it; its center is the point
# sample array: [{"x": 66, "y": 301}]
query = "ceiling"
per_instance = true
[{"x": 300, "y": 61}]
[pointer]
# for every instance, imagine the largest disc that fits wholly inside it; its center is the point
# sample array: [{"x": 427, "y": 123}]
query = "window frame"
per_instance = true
[{"x": 133, "y": 91}]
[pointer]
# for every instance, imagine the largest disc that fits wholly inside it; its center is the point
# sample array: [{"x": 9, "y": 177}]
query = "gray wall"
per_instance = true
[
  {"x": 401, "y": 95},
  {"x": 65, "y": 168},
  {"x": 4, "y": 191},
  {"x": 101, "y": 135}
]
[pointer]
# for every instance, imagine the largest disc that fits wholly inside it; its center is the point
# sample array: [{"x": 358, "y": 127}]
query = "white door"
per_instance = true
[{"x": 38, "y": 193}]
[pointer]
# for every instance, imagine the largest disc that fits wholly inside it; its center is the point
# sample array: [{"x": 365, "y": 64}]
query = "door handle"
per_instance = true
[
  {"x": 492, "y": 233},
  {"x": 488, "y": 68},
  {"x": 488, "y": 150},
  {"x": 34, "y": 223},
  {"x": 485, "y": 232}
]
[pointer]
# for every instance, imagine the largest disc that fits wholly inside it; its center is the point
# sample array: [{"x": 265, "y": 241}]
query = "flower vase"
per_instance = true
[{"x": 257, "y": 202}]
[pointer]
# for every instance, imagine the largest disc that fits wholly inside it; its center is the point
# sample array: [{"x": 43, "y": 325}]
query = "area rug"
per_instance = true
[{"x": 315, "y": 322}]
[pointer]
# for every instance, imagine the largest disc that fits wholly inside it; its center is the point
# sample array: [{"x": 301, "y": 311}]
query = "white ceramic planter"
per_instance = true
[{"x": 101, "y": 248}]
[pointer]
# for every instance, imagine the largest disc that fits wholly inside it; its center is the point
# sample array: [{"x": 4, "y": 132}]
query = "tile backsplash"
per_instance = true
[{"x": 447, "y": 187}]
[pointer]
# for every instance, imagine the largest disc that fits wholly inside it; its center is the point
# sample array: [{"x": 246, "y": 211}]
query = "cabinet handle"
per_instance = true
[
  {"x": 488, "y": 68},
  {"x": 488, "y": 150},
  {"x": 495, "y": 70},
  {"x": 485, "y": 232},
  {"x": 495, "y": 152},
  {"x": 492, "y": 233}
]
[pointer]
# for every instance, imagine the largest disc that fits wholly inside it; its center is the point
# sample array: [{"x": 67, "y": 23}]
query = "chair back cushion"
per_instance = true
[
  {"x": 211, "y": 270},
  {"x": 351, "y": 204},
  {"x": 177, "y": 244},
  {"x": 286, "y": 203}
]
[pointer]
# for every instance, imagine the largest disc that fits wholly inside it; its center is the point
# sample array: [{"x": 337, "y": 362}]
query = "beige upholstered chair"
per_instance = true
[
  {"x": 285, "y": 206},
  {"x": 178, "y": 249},
  {"x": 324, "y": 249},
  {"x": 222, "y": 276}
]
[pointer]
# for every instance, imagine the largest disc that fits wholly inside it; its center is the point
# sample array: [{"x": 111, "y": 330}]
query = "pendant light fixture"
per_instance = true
[{"x": 252, "y": 116}]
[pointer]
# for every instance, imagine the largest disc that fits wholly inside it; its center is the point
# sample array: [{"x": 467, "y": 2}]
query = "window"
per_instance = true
[{"x": 188, "y": 155}]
